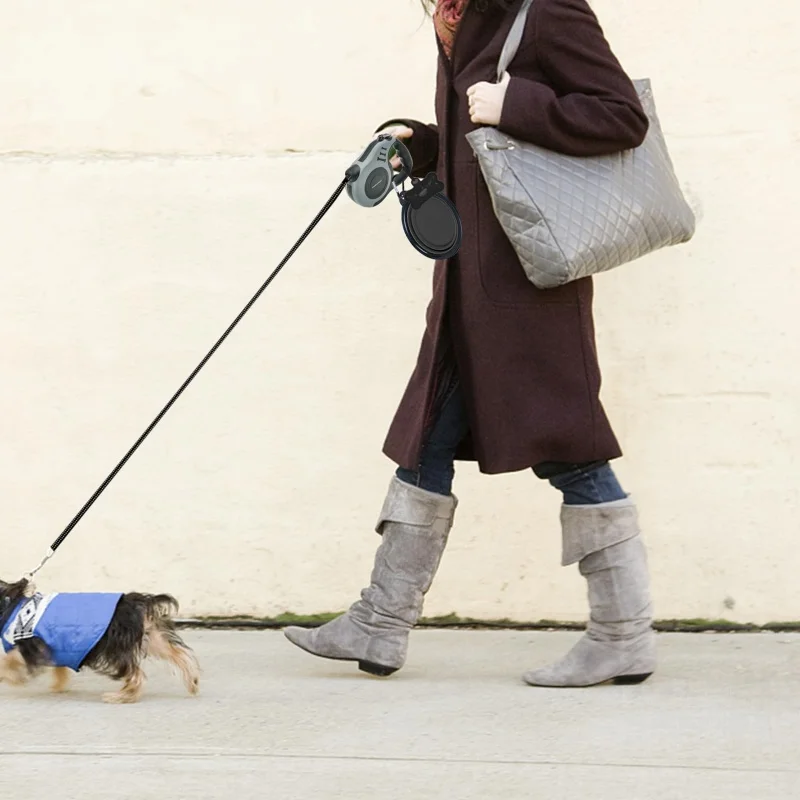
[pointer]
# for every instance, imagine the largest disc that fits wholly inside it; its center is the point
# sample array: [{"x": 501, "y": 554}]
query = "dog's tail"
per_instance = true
[{"x": 159, "y": 610}]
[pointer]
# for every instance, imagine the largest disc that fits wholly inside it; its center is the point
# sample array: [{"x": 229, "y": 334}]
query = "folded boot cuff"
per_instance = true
[
  {"x": 410, "y": 505},
  {"x": 587, "y": 529}
]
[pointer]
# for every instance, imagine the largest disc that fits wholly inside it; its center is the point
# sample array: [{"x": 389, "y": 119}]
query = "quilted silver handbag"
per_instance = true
[{"x": 569, "y": 217}]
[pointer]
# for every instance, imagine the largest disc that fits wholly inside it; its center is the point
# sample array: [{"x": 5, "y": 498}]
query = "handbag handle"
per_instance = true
[{"x": 513, "y": 39}]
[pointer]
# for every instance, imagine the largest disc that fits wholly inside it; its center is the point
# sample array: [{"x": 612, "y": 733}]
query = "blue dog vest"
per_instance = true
[{"x": 69, "y": 623}]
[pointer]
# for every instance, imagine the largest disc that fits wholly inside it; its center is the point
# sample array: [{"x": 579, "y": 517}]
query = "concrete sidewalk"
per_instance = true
[{"x": 721, "y": 719}]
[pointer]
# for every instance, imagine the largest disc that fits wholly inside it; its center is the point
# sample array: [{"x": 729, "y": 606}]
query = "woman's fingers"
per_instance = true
[{"x": 400, "y": 131}]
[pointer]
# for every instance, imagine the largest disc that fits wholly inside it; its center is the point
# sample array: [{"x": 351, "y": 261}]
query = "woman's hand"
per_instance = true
[
  {"x": 486, "y": 101},
  {"x": 401, "y": 132}
]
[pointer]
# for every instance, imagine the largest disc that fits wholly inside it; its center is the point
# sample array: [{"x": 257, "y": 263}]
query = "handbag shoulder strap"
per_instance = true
[{"x": 513, "y": 39}]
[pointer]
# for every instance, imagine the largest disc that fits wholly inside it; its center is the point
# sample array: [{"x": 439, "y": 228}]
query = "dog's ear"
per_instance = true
[{"x": 14, "y": 590}]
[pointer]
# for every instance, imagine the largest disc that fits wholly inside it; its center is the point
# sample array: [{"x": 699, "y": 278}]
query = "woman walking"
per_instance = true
[{"x": 507, "y": 374}]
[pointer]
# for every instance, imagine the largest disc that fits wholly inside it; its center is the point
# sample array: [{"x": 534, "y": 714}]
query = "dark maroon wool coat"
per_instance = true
[{"x": 525, "y": 357}]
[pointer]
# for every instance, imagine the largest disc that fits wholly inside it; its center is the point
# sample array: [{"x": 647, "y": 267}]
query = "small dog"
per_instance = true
[{"x": 110, "y": 633}]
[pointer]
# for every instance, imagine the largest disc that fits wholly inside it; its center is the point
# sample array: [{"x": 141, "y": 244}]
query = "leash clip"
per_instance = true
[{"x": 28, "y": 576}]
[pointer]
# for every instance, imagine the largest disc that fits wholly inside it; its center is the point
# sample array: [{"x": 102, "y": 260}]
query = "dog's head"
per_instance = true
[{"x": 12, "y": 593}]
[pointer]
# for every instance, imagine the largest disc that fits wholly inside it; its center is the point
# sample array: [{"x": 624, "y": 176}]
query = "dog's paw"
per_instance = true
[{"x": 14, "y": 678}]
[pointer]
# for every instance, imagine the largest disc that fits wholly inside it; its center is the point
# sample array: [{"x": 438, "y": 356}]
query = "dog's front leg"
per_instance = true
[
  {"x": 60, "y": 679},
  {"x": 13, "y": 669}
]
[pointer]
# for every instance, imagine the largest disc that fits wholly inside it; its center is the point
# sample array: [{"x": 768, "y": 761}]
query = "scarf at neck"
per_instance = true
[{"x": 446, "y": 18}]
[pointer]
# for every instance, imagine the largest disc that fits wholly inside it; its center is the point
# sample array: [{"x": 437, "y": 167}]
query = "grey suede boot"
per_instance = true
[
  {"x": 414, "y": 526},
  {"x": 619, "y": 643}
]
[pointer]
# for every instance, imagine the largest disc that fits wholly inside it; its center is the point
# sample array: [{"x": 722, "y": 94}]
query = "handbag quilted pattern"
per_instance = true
[{"x": 569, "y": 217}]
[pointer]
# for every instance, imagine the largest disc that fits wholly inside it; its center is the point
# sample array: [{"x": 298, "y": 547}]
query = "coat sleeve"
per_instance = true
[
  {"x": 423, "y": 145},
  {"x": 589, "y": 105}
]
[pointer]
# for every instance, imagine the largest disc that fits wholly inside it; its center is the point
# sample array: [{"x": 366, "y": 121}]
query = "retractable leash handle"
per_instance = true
[{"x": 371, "y": 177}]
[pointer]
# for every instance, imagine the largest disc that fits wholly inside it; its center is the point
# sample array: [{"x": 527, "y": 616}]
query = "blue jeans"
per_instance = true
[{"x": 581, "y": 484}]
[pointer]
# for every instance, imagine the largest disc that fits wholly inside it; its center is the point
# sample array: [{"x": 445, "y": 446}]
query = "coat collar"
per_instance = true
[{"x": 469, "y": 29}]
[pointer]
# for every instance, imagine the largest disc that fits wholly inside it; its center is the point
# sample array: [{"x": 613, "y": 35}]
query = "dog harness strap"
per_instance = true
[{"x": 24, "y": 618}]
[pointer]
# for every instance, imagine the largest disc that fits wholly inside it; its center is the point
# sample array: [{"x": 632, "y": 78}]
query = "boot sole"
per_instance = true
[
  {"x": 631, "y": 680},
  {"x": 376, "y": 669},
  {"x": 619, "y": 680},
  {"x": 379, "y": 670}
]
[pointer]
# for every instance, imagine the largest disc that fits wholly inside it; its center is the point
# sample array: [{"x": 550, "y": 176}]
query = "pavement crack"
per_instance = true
[{"x": 199, "y": 753}]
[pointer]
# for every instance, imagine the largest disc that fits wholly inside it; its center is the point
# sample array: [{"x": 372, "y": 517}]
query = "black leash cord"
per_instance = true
[{"x": 180, "y": 391}]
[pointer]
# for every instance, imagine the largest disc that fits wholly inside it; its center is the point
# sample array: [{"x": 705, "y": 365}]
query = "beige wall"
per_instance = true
[{"x": 146, "y": 191}]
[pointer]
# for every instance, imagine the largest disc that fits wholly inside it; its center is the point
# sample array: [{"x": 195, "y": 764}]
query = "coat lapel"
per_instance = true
[
  {"x": 469, "y": 31},
  {"x": 460, "y": 53}
]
